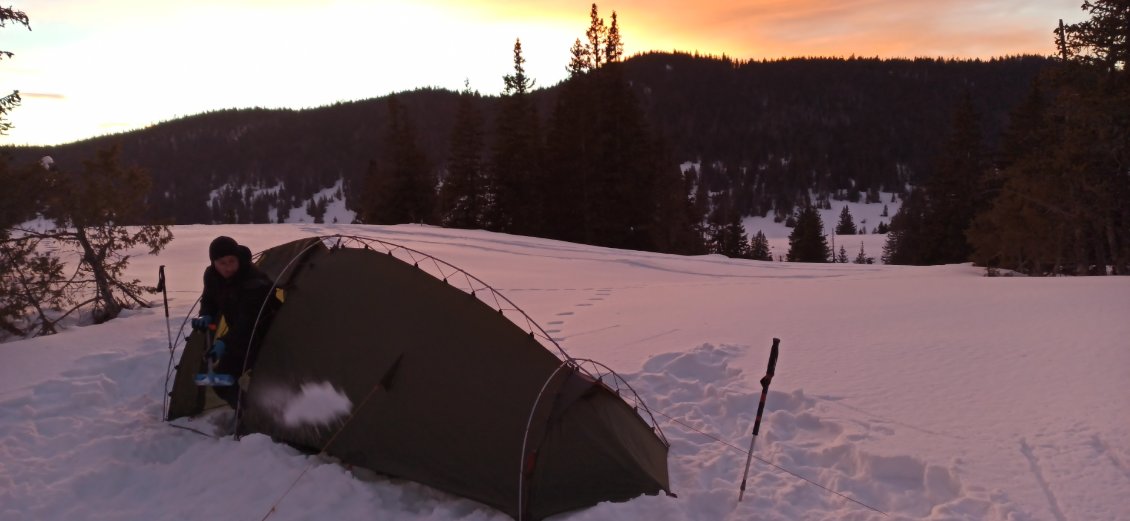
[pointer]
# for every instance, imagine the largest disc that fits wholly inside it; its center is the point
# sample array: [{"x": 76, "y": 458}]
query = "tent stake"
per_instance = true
[{"x": 760, "y": 409}]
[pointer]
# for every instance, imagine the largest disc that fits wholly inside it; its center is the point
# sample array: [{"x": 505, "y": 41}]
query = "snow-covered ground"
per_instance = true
[
  {"x": 863, "y": 215},
  {"x": 336, "y": 212},
  {"x": 925, "y": 393}
]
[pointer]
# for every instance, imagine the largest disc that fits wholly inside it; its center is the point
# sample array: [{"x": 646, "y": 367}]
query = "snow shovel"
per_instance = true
[{"x": 212, "y": 378}]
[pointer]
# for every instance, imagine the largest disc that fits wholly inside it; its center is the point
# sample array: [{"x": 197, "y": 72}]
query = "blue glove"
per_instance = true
[
  {"x": 201, "y": 322},
  {"x": 217, "y": 351}
]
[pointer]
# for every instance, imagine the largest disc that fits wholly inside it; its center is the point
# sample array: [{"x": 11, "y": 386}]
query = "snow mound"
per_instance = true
[
  {"x": 312, "y": 405},
  {"x": 707, "y": 408}
]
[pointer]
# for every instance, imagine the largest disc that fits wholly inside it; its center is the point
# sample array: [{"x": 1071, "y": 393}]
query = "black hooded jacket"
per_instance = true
[{"x": 240, "y": 302}]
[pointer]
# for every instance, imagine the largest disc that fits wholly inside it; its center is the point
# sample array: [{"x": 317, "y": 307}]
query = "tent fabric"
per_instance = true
[
  {"x": 190, "y": 399},
  {"x": 445, "y": 390}
]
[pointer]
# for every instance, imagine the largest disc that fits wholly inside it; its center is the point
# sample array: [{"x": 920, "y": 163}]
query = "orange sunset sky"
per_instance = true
[{"x": 89, "y": 68}]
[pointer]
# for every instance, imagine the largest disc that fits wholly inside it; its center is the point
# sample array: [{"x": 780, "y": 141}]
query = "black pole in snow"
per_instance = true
[
  {"x": 168, "y": 329},
  {"x": 165, "y": 294},
  {"x": 161, "y": 287},
  {"x": 760, "y": 409}
]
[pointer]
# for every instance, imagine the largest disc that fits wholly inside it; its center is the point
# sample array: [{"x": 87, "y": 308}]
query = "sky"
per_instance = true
[
  {"x": 925, "y": 392},
  {"x": 94, "y": 68}
]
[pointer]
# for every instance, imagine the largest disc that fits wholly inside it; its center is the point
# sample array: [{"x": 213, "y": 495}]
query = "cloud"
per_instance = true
[
  {"x": 42, "y": 95},
  {"x": 886, "y": 28}
]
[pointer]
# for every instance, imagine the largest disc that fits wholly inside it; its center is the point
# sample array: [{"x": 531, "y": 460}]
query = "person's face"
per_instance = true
[{"x": 227, "y": 265}]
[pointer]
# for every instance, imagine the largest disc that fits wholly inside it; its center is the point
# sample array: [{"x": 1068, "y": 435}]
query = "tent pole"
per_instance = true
[
  {"x": 525, "y": 441},
  {"x": 254, "y": 329}
]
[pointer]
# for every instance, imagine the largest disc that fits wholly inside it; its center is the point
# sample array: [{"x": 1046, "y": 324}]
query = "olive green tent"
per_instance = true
[{"x": 450, "y": 384}]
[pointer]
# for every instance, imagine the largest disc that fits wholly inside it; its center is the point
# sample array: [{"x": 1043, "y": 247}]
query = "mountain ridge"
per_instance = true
[{"x": 771, "y": 131}]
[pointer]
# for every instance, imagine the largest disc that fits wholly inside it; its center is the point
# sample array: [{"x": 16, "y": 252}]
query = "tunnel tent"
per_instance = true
[{"x": 451, "y": 385}]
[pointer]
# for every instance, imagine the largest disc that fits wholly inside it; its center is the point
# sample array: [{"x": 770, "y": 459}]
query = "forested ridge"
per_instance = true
[{"x": 768, "y": 131}]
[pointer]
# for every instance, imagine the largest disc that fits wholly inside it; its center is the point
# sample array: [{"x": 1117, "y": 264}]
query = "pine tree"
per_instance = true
[
  {"x": 1101, "y": 40},
  {"x": 613, "y": 46},
  {"x": 596, "y": 35},
  {"x": 1062, "y": 188},
  {"x": 1092, "y": 112},
  {"x": 26, "y": 269},
  {"x": 728, "y": 235},
  {"x": 613, "y": 180},
  {"x": 1017, "y": 232},
  {"x": 578, "y": 59},
  {"x": 842, "y": 258},
  {"x": 464, "y": 198},
  {"x": 954, "y": 190},
  {"x": 931, "y": 227},
  {"x": 516, "y": 166},
  {"x": 873, "y": 195},
  {"x": 375, "y": 198},
  {"x": 91, "y": 211},
  {"x": 807, "y": 242},
  {"x": 846, "y": 226},
  {"x": 862, "y": 257},
  {"x": 904, "y": 235},
  {"x": 11, "y": 101},
  {"x": 701, "y": 197},
  {"x": 759, "y": 248},
  {"x": 400, "y": 189},
  {"x": 518, "y": 84},
  {"x": 676, "y": 226}
]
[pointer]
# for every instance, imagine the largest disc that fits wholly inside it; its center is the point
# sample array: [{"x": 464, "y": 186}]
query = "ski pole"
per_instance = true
[
  {"x": 168, "y": 328},
  {"x": 760, "y": 409},
  {"x": 165, "y": 295}
]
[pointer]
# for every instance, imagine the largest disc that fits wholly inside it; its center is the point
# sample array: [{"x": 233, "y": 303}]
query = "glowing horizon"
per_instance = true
[{"x": 88, "y": 69}]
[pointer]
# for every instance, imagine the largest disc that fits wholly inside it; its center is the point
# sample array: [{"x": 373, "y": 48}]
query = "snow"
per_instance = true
[
  {"x": 864, "y": 215},
  {"x": 315, "y": 403},
  {"x": 336, "y": 212},
  {"x": 922, "y": 392}
]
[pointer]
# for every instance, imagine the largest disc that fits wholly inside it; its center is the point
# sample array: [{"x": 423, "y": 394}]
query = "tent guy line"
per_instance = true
[{"x": 310, "y": 464}]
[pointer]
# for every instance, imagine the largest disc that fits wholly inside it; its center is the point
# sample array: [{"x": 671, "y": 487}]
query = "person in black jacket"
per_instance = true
[{"x": 237, "y": 299}]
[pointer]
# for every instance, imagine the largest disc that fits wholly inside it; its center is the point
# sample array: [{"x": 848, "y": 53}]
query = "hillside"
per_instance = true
[{"x": 767, "y": 130}]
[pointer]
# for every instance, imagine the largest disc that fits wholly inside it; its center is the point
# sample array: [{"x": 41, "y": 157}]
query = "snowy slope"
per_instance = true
[
  {"x": 862, "y": 214},
  {"x": 926, "y": 393}
]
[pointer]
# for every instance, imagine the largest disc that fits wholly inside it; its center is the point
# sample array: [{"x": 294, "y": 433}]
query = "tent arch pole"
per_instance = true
[
  {"x": 599, "y": 369},
  {"x": 619, "y": 380},
  {"x": 416, "y": 255},
  {"x": 255, "y": 327},
  {"x": 526, "y": 440},
  {"x": 471, "y": 279},
  {"x": 172, "y": 354}
]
